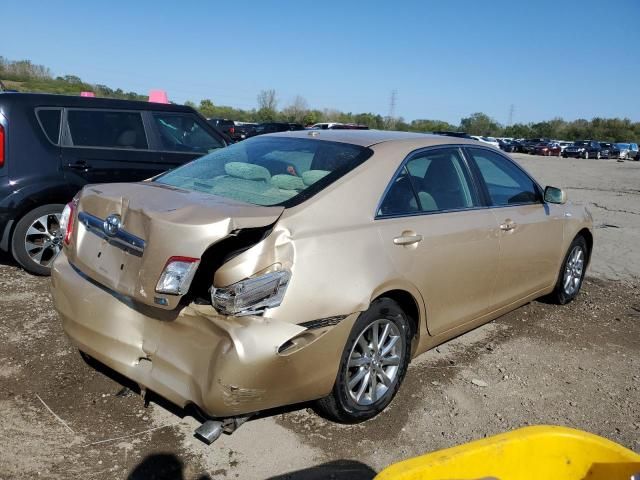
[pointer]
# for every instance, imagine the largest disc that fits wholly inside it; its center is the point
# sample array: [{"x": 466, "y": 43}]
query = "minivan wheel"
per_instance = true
[
  {"x": 572, "y": 272},
  {"x": 37, "y": 239},
  {"x": 373, "y": 364}
]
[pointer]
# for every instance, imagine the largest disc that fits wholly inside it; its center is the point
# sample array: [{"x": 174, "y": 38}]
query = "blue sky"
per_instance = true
[{"x": 445, "y": 59}]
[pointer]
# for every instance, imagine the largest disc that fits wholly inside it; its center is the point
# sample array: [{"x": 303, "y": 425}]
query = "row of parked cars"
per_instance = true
[
  {"x": 577, "y": 149},
  {"x": 237, "y": 131}
]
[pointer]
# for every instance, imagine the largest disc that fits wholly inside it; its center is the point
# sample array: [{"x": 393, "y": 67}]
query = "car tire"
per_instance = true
[
  {"x": 586, "y": 155},
  {"x": 351, "y": 399},
  {"x": 598, "y": 156},
  {"x": 36, "y": 240},
  {"x": 574, "y": 267}
]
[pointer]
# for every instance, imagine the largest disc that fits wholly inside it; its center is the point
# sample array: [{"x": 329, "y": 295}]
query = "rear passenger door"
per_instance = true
[
  {"x": 440, "y": 237},
  {"x": 182, "y": 137},
  {"x": 107, "y": 146},
  {"x": 531, "y": 231}
]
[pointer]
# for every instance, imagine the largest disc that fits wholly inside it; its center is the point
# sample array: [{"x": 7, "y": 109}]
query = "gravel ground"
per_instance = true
[{"x": 577, "y": 365}]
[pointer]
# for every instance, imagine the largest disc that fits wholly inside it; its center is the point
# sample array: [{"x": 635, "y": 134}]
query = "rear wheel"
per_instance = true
[
  {"x": 598, "y": 156},
  {"x": 373, "y": 364},
  {"x": 586, "y": 155},
  {"x": 572, "y": 272},
  {"x": 37, "y": 239}
]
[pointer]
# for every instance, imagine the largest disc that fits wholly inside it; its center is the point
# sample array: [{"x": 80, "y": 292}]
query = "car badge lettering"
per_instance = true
[{"x": 111, "y": 225}]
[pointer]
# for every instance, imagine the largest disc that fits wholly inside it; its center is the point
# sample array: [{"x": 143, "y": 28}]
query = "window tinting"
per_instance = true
[
  {"x": 269, "y": 170},
  {"x": 181, "y": 132},
  {"x": 50, "y": 122},
  {"x": 506, "y": 183},
  {"x": 110, "y": 129},
  {"x": 432, "y": 181}
]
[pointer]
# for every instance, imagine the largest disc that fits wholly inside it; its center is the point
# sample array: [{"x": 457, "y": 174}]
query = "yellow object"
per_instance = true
[{"x": 530, "y": 453}]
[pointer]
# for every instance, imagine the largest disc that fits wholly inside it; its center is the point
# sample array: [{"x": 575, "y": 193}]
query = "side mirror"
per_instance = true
[{"x": 555, "y": 195}]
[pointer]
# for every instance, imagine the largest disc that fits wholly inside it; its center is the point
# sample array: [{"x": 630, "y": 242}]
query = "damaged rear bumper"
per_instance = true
[{"x": 227, "y": 366}]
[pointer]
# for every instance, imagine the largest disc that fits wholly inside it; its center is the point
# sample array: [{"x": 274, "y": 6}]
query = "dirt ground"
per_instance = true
[{"x": 577, "y": 365}]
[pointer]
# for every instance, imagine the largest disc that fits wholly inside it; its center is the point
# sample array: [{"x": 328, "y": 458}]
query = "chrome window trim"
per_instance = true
[
  {"x": 408, "y": 158},
  {"x": 122, "y": 239}
]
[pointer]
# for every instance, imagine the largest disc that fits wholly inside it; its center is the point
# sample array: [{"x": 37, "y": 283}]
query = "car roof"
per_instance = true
[
  {"x": 53, "y": 100},
  {"x": 367, "y": 138}
]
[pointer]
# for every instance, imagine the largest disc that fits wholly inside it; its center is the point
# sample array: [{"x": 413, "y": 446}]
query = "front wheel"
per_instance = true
[
  {"x": 586, "y": 155},
  {"x": 572, "y": 272},
  {"x": 37, "y": 239},
  {"x": 598, "y": 156},
  {"x": 373, "y": 364}
]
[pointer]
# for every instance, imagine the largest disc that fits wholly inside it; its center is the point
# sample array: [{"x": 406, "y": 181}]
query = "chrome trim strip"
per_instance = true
[{"x": 122, "y": 239}]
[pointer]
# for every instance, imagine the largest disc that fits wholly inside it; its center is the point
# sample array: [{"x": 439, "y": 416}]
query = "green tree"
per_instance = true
[{"x": 480, "y": 124}]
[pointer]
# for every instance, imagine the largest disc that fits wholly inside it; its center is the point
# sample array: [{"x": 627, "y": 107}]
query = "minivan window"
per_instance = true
[
  {"x": 50, "y": 122},
  {"x": 107, "y": 129},
  {"x": 269, "y": 170},
  {"x": 506, "y": 183},
  {"x": 181, "y": 132}
]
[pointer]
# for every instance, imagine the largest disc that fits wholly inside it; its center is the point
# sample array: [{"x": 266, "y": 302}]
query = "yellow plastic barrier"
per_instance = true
[{"x": 530, "y": 453}]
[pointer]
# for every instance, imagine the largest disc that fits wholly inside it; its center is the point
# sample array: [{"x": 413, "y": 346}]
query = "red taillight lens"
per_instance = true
[
  {"x": 2, "y": 139},
  {"x": 232, "y": 130},
  {"x": 66, "y": 221}
]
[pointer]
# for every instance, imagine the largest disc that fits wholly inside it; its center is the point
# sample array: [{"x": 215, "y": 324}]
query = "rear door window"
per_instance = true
[
  {"x": 181, "y": 132},
  {"x": 49, "y": 119},
  {"x": 107, "y": 129}
]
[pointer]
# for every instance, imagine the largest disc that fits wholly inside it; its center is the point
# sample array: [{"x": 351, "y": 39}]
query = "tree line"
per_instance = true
[{"x": 23, "y": 75}]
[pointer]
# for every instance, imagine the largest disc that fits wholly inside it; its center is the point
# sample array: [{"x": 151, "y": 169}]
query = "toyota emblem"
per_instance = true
[{"x": 111, "y": 225}]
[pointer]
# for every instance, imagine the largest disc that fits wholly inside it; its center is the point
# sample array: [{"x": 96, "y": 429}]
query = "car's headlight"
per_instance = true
[{"x": 252, "y": 295}]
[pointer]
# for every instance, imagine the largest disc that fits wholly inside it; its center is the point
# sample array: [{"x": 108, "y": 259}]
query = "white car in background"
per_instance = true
[{"x": 488, "y": 140}]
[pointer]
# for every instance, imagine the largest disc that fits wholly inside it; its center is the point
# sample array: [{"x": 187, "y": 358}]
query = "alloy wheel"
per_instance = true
[
  {"x": 43, "y": 241},
  {"x": 573, "y": 271},
  {"x": 374, "y": 362}
]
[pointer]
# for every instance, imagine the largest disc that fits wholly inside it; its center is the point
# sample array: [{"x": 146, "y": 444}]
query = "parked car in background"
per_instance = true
[
  {"x": 273, "y": 127},
  {"x": 453, "y": 134},
  {"x": 411, "y": 238},
  {"x": 324, "y": 125},
  {"x": 244, "y": 130},
  {"x": 547, "y": 149},
  {"x": 564, "y": 145},
  {"x": 583, "y": 149},
  {"x": 529, "y": 145},
  {"x": 225, "y": 125},
  {"x": 488, "y": 140},
  {"x": 630, "y": 151},
  {"x": 349, "y": 126},
  {"x": 607, "y": 150},
  {"x": 53, "y": 145},
  {"x": 508, "y": 145}
]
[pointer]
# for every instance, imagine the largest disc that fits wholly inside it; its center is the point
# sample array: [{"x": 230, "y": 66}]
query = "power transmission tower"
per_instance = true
[
  {"x": 512, "y": 109},
  {"x": 391, "y": 121}
]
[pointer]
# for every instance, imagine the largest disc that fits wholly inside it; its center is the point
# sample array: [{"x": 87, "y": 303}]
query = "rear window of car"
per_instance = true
[
  {"x": 269, "y": 170},
  {"x": 107, "y": 129},
  {"x": 49, "y": 119}
]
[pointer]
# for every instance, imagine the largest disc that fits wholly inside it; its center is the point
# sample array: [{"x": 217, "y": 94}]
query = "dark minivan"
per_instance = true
[{"x": 53, "y": 145}]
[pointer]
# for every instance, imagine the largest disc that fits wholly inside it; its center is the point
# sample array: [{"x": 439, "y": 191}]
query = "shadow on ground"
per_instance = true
[{"x": 166, "y": 466}]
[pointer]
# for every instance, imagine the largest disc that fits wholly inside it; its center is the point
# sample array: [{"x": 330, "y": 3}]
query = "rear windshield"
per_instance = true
[{"x": 269, "y": 170}]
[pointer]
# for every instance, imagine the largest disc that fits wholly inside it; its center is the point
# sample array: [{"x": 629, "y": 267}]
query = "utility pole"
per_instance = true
[{"x": 512, "y": 109}]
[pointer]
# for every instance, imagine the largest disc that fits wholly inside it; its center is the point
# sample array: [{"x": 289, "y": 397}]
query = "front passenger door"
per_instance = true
[
  {"x": 531, "y": 231},
  {"x": 439, "y": 237}
]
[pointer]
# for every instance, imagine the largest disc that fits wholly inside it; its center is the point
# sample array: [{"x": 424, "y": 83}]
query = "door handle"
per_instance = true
[
  {"x": 79, "y": 166},
  {"x": 405, "y": 239},
  {"x": 508, "y": 225}
]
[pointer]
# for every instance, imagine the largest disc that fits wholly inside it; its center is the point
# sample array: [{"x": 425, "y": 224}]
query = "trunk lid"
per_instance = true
[{"x": 156, "y": 222}]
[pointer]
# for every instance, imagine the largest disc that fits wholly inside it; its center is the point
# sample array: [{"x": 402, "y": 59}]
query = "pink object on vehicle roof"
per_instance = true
[
  {"x": 158, "y": 96},
  {"x": 87, "y": 94}
]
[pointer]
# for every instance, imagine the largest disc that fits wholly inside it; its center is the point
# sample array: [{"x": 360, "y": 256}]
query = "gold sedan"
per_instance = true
[{"x": 309, "y": 265}]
